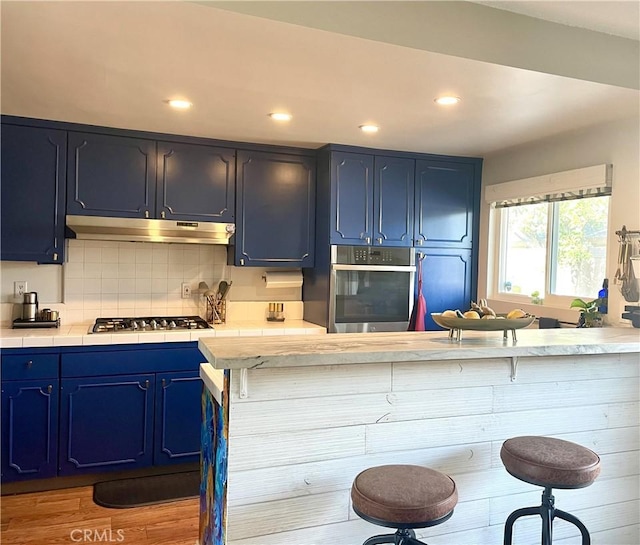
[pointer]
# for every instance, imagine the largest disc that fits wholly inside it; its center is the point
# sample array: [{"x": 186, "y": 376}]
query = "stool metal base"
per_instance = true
[
  {"x": 401, "y": 537},
  {"x": 404, "y": 534},
  {"x": 548, "y": 512}
]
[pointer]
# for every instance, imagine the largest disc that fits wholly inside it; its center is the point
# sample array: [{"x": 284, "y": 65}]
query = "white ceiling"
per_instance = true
[{"x": 115, "y": 63}]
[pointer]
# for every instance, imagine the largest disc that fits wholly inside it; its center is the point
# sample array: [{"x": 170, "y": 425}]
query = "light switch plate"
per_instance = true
[{"x": 186, "y": 290}]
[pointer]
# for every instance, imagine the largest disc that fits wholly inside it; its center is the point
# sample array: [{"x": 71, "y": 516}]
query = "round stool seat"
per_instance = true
[
  {"x": 548, "y": 462},
  {"x": 403, "y": 495}
]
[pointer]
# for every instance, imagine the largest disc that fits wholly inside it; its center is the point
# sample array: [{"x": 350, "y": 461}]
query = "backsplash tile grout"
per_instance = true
[
  {"x": 135, "y": 279},
  {"x": 126, "y": 279}
]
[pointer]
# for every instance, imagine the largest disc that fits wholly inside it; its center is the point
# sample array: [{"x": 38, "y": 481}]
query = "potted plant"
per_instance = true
[
  {"x": 590, "y": 316},
  {"x": 536, "y": 299}
]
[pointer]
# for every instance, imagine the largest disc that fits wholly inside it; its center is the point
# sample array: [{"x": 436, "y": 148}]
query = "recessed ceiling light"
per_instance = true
[
  {"x": 280, "y": 116},
  {"x": 179, "y": 104},
  {"x": 447, "y": 100},
  {"x": 369, "y": 128}
]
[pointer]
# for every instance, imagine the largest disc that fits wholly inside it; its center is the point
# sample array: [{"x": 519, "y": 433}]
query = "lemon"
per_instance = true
[
  {"x": 516, "y": 313},
  {"x": 472, "y": 315},
  {"x": 449, "y": 314}
]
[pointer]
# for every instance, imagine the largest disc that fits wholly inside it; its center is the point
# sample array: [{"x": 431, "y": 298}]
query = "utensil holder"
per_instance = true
[{"x": 216, "y": 310}]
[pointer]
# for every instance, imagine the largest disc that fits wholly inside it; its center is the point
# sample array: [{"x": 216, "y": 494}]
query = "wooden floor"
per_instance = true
[{"x": 69, "y": 517}]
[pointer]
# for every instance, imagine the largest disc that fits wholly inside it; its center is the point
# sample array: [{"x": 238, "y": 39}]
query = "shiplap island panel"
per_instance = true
[{"x": 300, "y": 417}]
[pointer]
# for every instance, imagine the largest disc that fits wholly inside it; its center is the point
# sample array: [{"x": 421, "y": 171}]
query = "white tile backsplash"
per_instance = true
[
  {"x": 101, "y": 278},
  {"x": 130, "y": 278}
]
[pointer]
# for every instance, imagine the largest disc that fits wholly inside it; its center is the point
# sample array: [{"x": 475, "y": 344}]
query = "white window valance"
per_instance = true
[{"x": 579, "y": 183}]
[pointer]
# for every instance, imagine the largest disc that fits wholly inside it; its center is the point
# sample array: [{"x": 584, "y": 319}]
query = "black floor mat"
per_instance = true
[{"x": 140, "y": 491}]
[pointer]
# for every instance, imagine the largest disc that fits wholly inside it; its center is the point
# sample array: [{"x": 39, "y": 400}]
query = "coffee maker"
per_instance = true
[{"x": 30, "y": 306}]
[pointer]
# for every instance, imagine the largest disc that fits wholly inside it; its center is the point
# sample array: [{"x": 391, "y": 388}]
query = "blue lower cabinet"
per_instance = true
[
  {"x": 106, "y": 423},
  {"x": 447, "y": 280},
  {"x": 29, "y": 429},
  {"x": 70, "y": 411},
  {"x": 178, "y": 415}
]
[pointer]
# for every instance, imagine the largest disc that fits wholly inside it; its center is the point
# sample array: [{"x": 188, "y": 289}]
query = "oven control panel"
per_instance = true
[{"x": 363, "y": 255}]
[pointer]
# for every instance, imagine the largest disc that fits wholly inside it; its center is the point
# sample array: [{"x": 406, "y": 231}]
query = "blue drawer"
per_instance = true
[
  {"x": 125, "y": 362},
  {"x": 30, "y": 366}
]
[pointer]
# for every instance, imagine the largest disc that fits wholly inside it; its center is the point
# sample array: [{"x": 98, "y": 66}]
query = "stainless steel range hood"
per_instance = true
[{"x": 148, "y": 230}]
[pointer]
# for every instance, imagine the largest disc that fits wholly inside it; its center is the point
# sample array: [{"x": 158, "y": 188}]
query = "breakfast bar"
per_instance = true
[{"x": 290, "y": 421}]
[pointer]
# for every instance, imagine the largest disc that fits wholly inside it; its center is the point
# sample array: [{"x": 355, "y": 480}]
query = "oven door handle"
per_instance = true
[{"x": 380, "y": 268}]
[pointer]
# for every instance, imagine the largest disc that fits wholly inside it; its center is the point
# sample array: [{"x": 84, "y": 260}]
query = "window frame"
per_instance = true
[{"x": 497, "y": 274}]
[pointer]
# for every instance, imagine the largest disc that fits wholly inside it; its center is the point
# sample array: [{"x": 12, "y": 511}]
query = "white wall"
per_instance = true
[
  {"x": 617, "y": 143},
  {"x": 101, "y": 278}
]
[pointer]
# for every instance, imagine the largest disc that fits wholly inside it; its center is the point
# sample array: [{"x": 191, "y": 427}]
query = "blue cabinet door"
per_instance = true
[
  {"x": 29, "y": 429},
  {"x": 106, "y": 423},
  {"x": 351, "y": 199},
  {"x": 275, "y": 225},
  {"x": 446, "y": 281},
  {"x": 177, "y": 422},
  {"x": 393, "y": 201},
  {"x": 32, "y": 194},
  {"x": 445, "y": 202},
  {"x": 196, "y": 183},
  {"x": 111, "y": 176}
]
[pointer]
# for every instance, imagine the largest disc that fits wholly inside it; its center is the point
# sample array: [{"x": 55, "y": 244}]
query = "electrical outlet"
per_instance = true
[
  {"x": 186, "y": 290},
  {"x": 19, "y": 288}
]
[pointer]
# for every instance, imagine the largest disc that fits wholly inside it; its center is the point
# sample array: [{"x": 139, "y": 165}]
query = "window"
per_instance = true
[
  {"x": 554, "y": 249},
  {"x": 550, "y": 236}
]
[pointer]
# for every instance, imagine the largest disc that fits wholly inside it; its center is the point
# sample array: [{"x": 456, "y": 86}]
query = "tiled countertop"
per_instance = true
[{"x": 78, "y": 335}]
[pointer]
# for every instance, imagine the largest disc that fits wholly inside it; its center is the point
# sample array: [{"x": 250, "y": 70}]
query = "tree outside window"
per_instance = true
[{"x": 554, "y": 248}]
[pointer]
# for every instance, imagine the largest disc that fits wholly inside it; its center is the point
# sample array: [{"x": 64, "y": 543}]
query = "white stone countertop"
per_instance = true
[
  {"x": 78, "y": 335},
  {"x": 354, "y": 348}
]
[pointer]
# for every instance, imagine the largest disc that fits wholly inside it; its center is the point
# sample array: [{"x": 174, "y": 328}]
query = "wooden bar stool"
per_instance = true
[
  {"x": 403, "y": 497},
  {"x": 550, "y": 463}
]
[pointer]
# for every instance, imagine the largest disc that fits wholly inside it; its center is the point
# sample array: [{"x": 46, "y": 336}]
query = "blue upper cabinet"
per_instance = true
[
  {"x": 275, "y": 207},
  {"x": 121, "y": 176},
  {"x": 196, "y": 183},
  {"x": 32, "y": 193},
  {"x": 393, "y": 201},
  {"x": 446, "y": 199},
  {"x": 371, "y": 200},
  {"x": 351, "y": 199},
  {"x": 111, "y": 176}
]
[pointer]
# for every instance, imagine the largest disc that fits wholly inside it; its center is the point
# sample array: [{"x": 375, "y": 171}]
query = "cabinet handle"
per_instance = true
[
  {"x": 146, "y": 213},
  {"x": 164, "y": 382},
  {"x": 55, "y": 256},
  {"x": 146, "y": 383},
  {"x": 163, "y": 214},
  {"x": 242, "y": 262},
  {"x": 379, "y": 240},
  {"x": 49, "y": 388},
  {"x": 419, "y": 242},
  {"x": 29, "y": 364},
  {"x": 367, "y": 240}
]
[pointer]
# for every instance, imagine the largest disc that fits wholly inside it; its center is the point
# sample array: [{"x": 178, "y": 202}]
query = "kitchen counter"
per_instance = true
[
  {"x": 78, "y": 335},
  {"x": 302, "y": 417},
  {"x": 356, "y": 348}
]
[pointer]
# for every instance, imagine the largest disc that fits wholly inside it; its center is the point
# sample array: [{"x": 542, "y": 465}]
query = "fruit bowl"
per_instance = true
[{"x": 456, "y": 324}]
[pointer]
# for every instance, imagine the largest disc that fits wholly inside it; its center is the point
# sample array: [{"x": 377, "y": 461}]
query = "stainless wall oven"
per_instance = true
[{"x": 370, "y": 289}]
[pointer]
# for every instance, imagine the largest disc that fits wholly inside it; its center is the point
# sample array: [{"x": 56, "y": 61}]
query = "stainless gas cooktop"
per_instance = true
[{"x": 149, "y": 323}]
